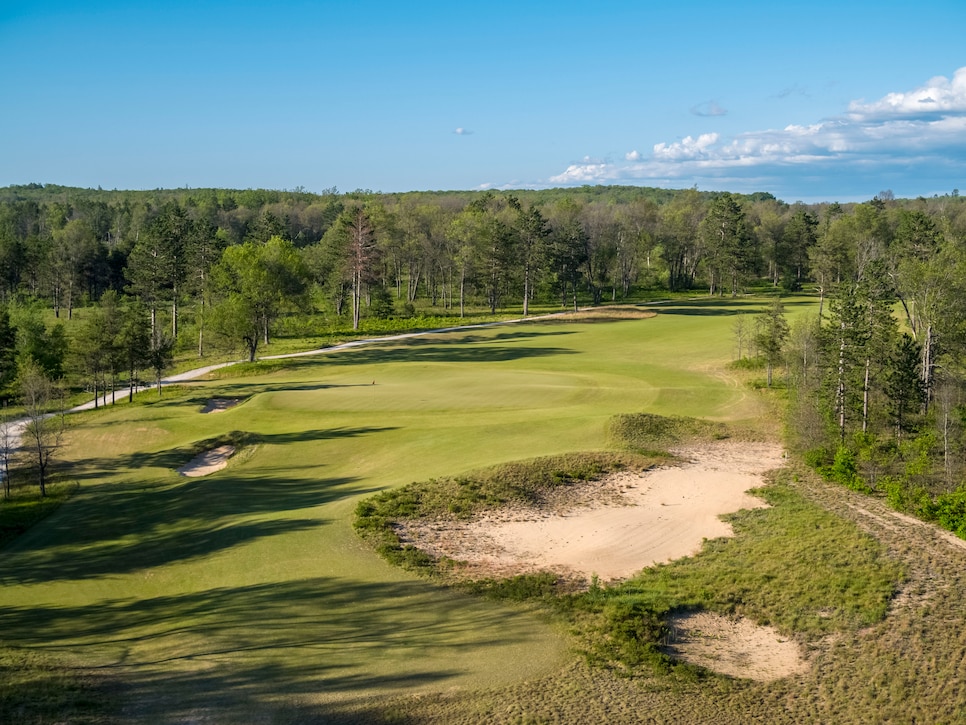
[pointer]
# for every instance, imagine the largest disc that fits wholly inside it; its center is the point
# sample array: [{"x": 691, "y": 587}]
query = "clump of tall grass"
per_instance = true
[
  {"x": 36, "y": 688},
  {"x": 645, "y": 432}
]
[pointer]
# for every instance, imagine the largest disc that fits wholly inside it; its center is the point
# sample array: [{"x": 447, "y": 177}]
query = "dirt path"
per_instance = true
[{"x": 933, "y": 557}]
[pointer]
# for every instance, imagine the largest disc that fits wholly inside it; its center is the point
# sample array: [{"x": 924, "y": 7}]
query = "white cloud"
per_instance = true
[
  {"x": 709, "y": 108},
  {"x": 938, "y": 95},
  {"x": 908, "y": 130},
  {"x": 794, "y": 90},
  {"x": 583, "y": 174},
  {"x": 687, "y": 148},
  {"x": 462, "y": 131}
]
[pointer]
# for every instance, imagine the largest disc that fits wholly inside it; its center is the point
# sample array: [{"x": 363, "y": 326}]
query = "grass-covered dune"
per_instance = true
[{"x": 246, "y": 595}]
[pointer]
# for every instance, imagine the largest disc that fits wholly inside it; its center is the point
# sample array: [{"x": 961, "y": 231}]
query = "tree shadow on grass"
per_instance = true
[
  {"x": 240, "y": 654},
  {"x": 85, "y": 469},
  {"x": 436, "y": 353},
  {"x": 724, "y": 307},
  {"x": 467, "y": 347},
  {"x": 117, "y": 528},
  {"x": 114, "y": 530}
]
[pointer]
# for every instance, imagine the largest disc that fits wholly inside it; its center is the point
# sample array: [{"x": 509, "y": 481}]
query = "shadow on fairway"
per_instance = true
[
  {"x": 453, "y": 352},
  {"x": 86, "y": 469},
  {"x": 119, "y": 529},
  {"x": 724, "y": 307},
  {"x": 151, "y": 407},
  {"x": 234, "y": 652}
]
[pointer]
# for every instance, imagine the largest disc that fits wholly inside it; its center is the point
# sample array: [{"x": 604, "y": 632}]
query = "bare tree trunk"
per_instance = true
[
  {"x": 865, "y": 397},
  {"x": 356, "y": 298},
  {"x": 840, "y": 388},
  {"x": 926, "y": 372},
  {"x": 526, "y": 289}
]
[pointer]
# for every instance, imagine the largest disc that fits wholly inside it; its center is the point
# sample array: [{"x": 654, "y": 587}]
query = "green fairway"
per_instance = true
[{"x": 245, "y": 596}]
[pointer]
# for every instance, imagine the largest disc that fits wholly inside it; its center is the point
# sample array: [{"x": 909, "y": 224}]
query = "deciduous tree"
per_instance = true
[
  {"x": 254, "y": 283},
  {"x": 43, "y": 432}
]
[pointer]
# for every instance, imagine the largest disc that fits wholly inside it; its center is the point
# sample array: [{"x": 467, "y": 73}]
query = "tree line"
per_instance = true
[
  {"x": 876, "y": 379},
  {"x": 166, "y": 270}
]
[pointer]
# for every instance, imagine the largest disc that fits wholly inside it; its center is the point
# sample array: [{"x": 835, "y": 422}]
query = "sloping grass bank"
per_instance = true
[{"x": 793, "y": 565}]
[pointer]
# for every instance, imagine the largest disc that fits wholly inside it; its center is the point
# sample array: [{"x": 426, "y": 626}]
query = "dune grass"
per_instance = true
[
  {"x": 830, "y": 578},
  {"x": 247, "y": 596}
]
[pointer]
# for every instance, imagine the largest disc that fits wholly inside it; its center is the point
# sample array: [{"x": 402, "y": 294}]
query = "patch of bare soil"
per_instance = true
[
  {"x": 610, "y": 528},
  {"x": 208, "y": 462},
  {"x": 217, "y": 405},
  {"x": 734, "y": 647}
]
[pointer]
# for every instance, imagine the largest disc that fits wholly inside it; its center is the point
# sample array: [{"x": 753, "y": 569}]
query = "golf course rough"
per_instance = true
[{"x": 246, "y": 595}]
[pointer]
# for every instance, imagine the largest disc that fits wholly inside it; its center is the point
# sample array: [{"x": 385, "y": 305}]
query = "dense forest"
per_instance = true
[{"x": 875, "y": 381}]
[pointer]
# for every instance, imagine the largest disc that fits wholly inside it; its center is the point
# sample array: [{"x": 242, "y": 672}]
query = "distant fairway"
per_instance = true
[{"x": 245, "y": 596}]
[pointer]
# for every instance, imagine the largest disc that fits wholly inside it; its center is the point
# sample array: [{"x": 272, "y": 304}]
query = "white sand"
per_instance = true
[
  {"x": 668, "y": 514},
  {"x": 735, "y": 647},
  {"x": 616, "y": 527},
  {"x": 208, "y": 462},
  {"x": 620, "y": 526}
]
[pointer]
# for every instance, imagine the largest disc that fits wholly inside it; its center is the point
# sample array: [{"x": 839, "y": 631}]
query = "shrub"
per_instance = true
[
  {"x": 844, "y": 470},
  {"x": 948, "y": 510}
]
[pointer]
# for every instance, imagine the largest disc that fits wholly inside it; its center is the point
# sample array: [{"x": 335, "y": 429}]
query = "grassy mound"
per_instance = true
[
  {"x": 646, "y": 432},
  {"x": 461, "y": 497},
  {"x": 830, "y": 576}
]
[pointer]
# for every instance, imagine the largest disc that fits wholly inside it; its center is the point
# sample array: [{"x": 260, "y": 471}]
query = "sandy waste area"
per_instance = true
[{"x": 617, "y": 526}]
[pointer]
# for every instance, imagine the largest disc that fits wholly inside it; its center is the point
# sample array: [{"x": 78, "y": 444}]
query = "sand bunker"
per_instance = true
[
  {"x": 615, "y": 527},
  {"x": 208, "y": 462},
  {"x": 611, "y": 528},
  {"x": 217, "y": 405},
  {"x": 734, "y": 647}
]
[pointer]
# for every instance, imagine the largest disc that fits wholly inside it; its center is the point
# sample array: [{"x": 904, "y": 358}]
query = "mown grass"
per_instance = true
[
  {"x": 39, "y": 688},
  {"x": 792, "y": 565},
  {"x": 26, "y": 507},
  {"x": 247, "y": 595}
]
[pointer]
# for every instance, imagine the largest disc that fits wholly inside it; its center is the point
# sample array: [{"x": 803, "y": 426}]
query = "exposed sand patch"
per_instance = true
[
  {"x": 208, "y": 462},
  {"x": 217, "y": 405},
  {"x": 611, "y": 528},
  {"x": 734, "y": 647},
  {"x": 615, "y": 527}
]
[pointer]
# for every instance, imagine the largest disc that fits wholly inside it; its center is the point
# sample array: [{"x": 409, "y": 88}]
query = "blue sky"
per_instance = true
[{"x": 810, "y": 101}]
